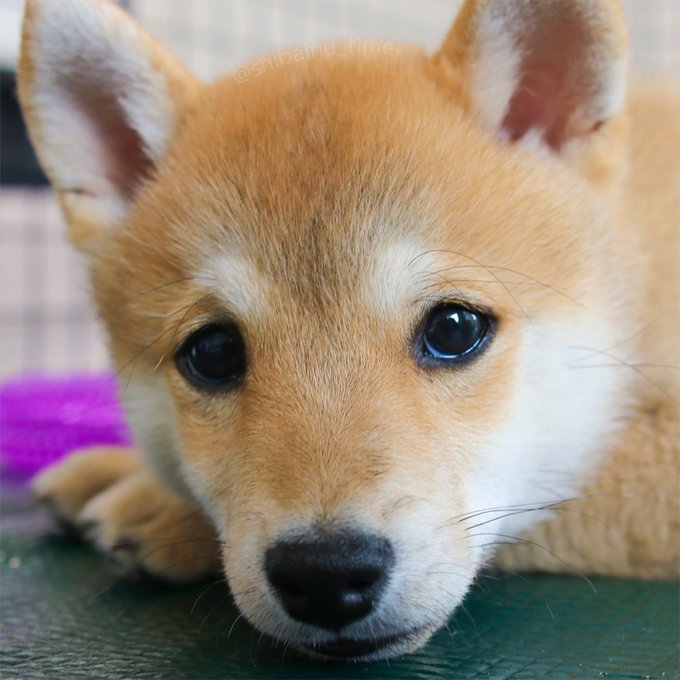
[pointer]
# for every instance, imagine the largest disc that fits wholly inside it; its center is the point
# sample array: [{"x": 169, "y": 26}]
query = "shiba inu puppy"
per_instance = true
[{"x": 373, "y": 316}]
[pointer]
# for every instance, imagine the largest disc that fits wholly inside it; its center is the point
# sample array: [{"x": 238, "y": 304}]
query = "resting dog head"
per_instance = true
[{"x": 344, "y": 294}]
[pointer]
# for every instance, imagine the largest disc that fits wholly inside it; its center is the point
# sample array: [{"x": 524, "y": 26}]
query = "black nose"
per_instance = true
[{"x": 332, "y": 580}]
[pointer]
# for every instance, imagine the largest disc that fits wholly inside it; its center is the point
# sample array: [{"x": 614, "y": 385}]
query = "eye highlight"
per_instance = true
[
  {"x": 452, "y": 334},
  {"x": 213, "y": 358}
]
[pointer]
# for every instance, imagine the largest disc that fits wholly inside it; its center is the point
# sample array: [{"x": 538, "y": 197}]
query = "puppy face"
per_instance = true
[{"x": 346, "y": 309}]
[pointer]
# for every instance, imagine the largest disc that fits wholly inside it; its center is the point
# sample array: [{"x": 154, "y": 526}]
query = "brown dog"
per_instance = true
[{"x": 373, "y": 316}]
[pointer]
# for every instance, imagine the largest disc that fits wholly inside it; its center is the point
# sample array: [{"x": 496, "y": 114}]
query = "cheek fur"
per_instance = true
[{"x": 559, "y": 419}]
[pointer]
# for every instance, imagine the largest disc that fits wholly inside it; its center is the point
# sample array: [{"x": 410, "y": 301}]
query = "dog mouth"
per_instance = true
[{"x": 357, "y": 648}]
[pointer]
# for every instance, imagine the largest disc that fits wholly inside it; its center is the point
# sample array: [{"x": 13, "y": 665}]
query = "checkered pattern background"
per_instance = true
[{"x": 46, "y": 321}]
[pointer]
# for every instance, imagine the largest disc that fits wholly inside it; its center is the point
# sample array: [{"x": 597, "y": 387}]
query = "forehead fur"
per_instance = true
[{"x": 310, "y": 172}]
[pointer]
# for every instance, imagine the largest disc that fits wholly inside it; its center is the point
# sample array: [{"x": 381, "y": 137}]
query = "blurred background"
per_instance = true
[{"x": 46, "y": 321}]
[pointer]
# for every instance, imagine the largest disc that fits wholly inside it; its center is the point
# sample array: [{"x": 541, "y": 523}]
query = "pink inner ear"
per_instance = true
[
  {"x": 117, "y": 145},
  {"x": 555, "y": 82},
  {"x": 122, "y": 148}
]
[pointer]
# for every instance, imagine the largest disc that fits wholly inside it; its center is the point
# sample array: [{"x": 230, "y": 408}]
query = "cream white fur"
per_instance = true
[
  {"x": 394, "y": 274},
  {"x": 150, "y": 412},
  {"x": 495, "y": 72},
  {"x": 236, "y": 282},
  {"x": 546, "y": 448}
]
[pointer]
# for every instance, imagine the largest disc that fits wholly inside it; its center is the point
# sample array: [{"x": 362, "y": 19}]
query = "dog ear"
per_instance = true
[
  {"x": 101, "y": 100},
  {"x": 552, "y": 68}
]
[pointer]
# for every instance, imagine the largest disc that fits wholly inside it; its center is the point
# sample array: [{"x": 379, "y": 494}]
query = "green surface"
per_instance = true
[{"x": 66, "y": 614}]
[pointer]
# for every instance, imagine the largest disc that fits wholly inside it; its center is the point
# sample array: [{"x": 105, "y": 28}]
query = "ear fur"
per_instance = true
[
  {"x": 552, "y": 68},
  {"x": 101, "y": 100}
]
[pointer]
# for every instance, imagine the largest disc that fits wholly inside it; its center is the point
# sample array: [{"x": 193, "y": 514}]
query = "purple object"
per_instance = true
[{"x": 43, "y": 418}]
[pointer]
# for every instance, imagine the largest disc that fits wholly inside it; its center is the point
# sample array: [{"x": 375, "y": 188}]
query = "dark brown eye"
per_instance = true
[
  {"x": 213, "y": 358},
  {"x": 452, "y": 333}
]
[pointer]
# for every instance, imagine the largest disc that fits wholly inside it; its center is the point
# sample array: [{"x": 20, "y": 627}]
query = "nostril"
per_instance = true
[
  {"x": 330, "y": 581},
  {"x": 365, "y": 580},
  {"x": 282, "y": 583},
  {"x": 291, "y": 589}
]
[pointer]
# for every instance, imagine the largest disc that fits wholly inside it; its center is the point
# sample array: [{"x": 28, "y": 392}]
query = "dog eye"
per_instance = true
[
  {"x": 453, "y": 332},
  {"x": 213, "y": 357}
]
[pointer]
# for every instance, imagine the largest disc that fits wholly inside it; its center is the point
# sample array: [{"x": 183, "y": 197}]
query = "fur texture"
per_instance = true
[{"x": 326, "y": 206}]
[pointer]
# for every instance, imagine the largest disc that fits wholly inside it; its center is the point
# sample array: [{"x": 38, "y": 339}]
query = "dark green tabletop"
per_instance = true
[{"x": 66, "y": 614}]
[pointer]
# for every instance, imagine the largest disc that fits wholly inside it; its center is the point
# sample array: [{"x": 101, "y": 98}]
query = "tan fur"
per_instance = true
[
  {"x": 111, "y": 496},
  {"x": 307, "y": 175}
]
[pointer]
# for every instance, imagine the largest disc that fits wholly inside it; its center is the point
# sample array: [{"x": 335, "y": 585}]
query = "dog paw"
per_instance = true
[{"x": 113, "y": 499}]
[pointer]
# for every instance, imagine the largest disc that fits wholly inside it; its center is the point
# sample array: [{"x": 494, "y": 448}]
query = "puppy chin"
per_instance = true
[
  {"x": 348, "y": 650},
  {"x": 372, "y": 642}
]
